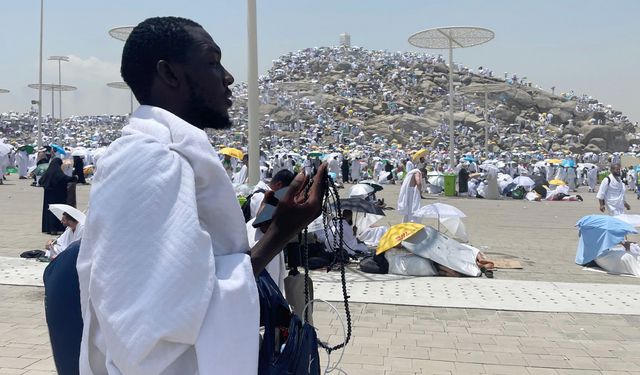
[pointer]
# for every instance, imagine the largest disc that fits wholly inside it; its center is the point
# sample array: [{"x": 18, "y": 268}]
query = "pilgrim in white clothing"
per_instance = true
[
  {"x": 409, "y": 197},
  {"x": 164, "y": 295}
]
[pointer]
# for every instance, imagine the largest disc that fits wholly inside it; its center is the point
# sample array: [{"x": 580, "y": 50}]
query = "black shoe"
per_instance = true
[{"x": 579, "y": 197}]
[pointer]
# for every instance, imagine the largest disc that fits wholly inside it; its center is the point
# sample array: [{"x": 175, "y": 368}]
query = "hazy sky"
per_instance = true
[{"x": 587, "y": 46}]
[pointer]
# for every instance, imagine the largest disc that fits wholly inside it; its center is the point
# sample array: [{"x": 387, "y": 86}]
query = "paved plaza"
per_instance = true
[{"x": 406, "y": 325}]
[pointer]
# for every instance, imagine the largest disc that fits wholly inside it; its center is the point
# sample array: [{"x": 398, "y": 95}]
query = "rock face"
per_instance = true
[
  {"x": 606, "y": 138},
  {"x": 396, "y": 95}
]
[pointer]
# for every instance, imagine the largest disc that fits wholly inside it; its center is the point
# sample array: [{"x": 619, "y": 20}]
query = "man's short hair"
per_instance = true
[
  {"x": 154, "y": 39},
  {"x": 284, "y": 176}
]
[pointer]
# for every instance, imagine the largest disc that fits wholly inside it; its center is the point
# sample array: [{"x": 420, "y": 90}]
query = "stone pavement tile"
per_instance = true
[
  {"x": 506, "y": 370},
  {"x": 534, "y": 349},
  {"x": 13, "y": 352},
  {"x": 584, "y": 363},
  {"x": 16, "y": 363},
  {"x": 37, "y": 372},
  {"x": 511, "y": 359},
  {"x": 433, "y": 366},
  {"x": 360, "y": 359},
  {"x": 469, "y": 368},
  {"x": 606, "y": 372},
  {"x": 564, "y": 371},
  {"x": 398, "y": 364},
  {"x": 46, "y": 364},
  {"x": 11, "y": 371},
  {"x": 476, "y": 357},
  {"x": 616, "y": 364},
  {"x": 550, "y": 361},
  {"x": 541, "y": 371},
  {"x": 440, "y": 354},
  {"x": 500, "y": 348},
  {"x": 408, "y": 352}
]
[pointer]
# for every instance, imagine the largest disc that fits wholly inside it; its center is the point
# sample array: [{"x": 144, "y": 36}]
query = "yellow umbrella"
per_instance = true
[
  {"x": 396, "y": 234},
  {"x": 554, "y": 161},
  {"x": 557, "y": 182},
  {"x": 420, "y": 154},
  {"x": 233, "y": 152}
]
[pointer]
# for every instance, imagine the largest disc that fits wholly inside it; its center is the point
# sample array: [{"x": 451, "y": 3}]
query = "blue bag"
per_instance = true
[{"x": 300, "y": 353}]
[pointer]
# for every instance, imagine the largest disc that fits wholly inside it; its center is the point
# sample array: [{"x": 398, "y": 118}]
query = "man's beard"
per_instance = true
[{"x": 203, "y": 117}]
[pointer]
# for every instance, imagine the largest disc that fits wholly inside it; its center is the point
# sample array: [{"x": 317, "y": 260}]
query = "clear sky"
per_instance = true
[{"x": 587, "y": 46}]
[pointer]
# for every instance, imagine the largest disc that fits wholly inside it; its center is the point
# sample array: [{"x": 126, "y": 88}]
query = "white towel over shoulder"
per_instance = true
[{"x": 166, "y": 285}]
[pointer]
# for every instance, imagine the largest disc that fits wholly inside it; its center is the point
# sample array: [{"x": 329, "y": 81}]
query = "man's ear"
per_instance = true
[{"x": 168, "y": 73}]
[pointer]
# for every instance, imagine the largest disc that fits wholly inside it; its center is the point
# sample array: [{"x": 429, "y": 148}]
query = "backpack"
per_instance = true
[
  {"x": 518, "y": 193},
  {"x": 246, "y": 206}
]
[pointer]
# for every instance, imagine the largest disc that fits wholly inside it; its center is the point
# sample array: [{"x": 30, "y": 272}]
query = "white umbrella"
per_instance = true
[
  {"x": 524, "y": 181},
  {"x": 360, "y": 191},
  {"x": 456, "y": 227},
  {"x": 441, "y": 211},
  {"x": 438, "y": 210},
  {"x": 79, "y": 152},
  {"x": 59, "y": 209},
  {"x": 629, "y": 219},
  {"x": 4, "y": 149},
  {"x": 489, "y": 167}
]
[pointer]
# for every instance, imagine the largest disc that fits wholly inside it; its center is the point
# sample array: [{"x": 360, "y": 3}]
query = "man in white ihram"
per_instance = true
[
  {"x": 166, "y": 274},
  {"x": 611, "y": 192}
]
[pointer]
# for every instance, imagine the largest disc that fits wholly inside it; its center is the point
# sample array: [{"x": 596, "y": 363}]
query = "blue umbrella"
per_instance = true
[
  {"x": 598, "y": 233},
  {"x": 58, "y": 149},
  {"x": 568, "y": 163},
  {"x": 469, "y": 158}
]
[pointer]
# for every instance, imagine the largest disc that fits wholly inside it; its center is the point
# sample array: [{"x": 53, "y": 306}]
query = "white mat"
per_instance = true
[
  {"x": 482, "y": 293},
  {"x": 19, "y": 271}
]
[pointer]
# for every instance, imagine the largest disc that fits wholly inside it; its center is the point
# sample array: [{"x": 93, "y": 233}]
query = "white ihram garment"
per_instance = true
[
  {"x": 166, "y": 285},
  {"x": 409, "y": 198}
]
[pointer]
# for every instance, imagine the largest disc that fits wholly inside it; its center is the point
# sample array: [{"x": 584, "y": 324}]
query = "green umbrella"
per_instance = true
[
  {"x": 28, "y": 148},
  {"x": 315, "y": 153},
  {"x": 11, "y": 170}
]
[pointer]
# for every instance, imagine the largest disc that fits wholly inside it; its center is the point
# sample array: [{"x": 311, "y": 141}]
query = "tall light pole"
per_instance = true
[
  {"x": 60, "y": 59},
  {"x": 4, "y": 91},
  {"x": 252, "y": 81},
  {"x": 40, "y": 76},
  {"x": 486, "y": 89},
  {"x": 450, "y": 38},
  {"x": 48, "y": 87}
]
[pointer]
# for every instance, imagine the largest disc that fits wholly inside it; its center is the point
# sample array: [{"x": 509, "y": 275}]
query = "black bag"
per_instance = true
[
  {"x": 374, "y": 264},
  {"x": 32, "y": 254},
  {"x": 300, "y": 353},
  {"x": 246, "y": 206}
]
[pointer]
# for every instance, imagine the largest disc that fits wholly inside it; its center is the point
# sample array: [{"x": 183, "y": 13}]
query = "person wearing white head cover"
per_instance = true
[
  {"x": 611, "y": 192},
  {"x": 23, "y": 164},
  {"x": 409, "y": 197},
  {"x": 592, "y": 178},
  {"x": 165, "y": 270}
]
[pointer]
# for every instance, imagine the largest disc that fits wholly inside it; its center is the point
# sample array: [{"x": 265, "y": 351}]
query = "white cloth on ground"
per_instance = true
[
  {"x": 620, "y": 261},
  {"x": 166, "y": 285}
]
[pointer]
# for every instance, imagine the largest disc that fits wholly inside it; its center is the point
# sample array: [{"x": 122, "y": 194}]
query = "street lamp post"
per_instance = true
[
  {"x": 60, "y": 59},
  {"x": 252, "y": 81},
  {"x": 48, "y": 87},
  {"x": 4, "y": 91},
  {"x": 450, "y": 38},
  {"x": 40, "y": 76},
  {"x": 486, "y": 89}
]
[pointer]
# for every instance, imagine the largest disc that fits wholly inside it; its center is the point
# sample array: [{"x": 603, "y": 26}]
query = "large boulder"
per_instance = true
[
  {"x": 592, "y": 148},
  {"x": 600, "y": 142},
  {"x": 506, "y": 114},
  {"x": 441, "y": 68},
  {"x": 543, "y": 102},
  {"x": 614, "y": 139},
  {"x": 343, "y": 67},
  {"x": 521, "y": 98},
  {"x": 560, "y": 116}
]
